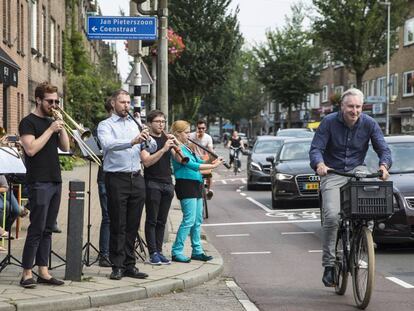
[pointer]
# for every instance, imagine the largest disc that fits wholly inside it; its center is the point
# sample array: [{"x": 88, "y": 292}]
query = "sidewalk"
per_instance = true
[{"x": 96, "y": 289}]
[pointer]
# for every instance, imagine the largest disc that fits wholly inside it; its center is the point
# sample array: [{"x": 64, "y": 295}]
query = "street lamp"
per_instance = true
[{"x": 387, "y": 102}]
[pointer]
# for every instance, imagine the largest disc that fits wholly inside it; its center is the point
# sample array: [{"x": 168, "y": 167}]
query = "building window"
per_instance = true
[
  {"x": 365, "y": 88},
  {"x": 408, "y": 83},
  {"x": 339, "y": 89},
  {"x": 9, "y": 21},
  {"x": 381, "y": 86},
  {"x": 314, "y": 101},
  {"x": 22, "y": 106},
  {"x": 18, "y": 27},
  {"x": 33, "y": 33},
  {"x": 52, "y": 41},
  {"x": 394, "y": 85},
  {"x": 4, "y": 20},
  {"x": 372, "y": 88},
  {"x": 18, "y": 106},
  {"x": 326, "y": 59},
  {"x": 43, "y": 35},
  {"x": 59, "y": 46},
  {"x": 325, "y": 91},
  {"x": 409, "y": 31}
]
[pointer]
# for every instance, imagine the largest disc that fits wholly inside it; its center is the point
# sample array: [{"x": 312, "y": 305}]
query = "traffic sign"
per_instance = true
[
  {"x": 375, "y": 99},
  {"x": 122, "y": 28}
]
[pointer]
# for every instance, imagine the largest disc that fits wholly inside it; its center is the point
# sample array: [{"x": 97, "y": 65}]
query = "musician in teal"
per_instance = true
[{"x": 188, "y": 188}]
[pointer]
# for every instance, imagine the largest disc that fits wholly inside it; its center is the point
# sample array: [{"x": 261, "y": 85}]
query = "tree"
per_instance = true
[
  {"x": 355, "y": 31},
  {"x": 212, "y": 40},
  {"x": 289, "y": 63}
]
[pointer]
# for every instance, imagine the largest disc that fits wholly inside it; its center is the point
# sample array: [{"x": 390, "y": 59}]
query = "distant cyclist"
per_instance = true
[
  {"x": 235, "y": 144},
  {"x": 202, "y": 138},
  {"x": 341, "y": 143}
]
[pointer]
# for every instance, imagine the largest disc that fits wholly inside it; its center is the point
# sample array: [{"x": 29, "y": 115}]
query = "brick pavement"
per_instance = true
[{"x": 96, "y": 289}]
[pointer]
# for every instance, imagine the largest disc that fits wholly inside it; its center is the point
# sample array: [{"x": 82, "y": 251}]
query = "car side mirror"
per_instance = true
[{"x": 271, "y": 159}]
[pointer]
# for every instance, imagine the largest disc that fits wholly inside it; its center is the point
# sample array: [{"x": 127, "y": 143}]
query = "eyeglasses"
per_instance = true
[
  {"x": 201, "y": 128},
  {"x": 159, "y": 121},
  {"x": 52, "y": 101}
]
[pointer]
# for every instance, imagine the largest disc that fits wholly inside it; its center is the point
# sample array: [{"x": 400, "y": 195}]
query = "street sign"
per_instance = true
[
  {"x": 375, "y": 99},
  {"x": 122, "y": 28},
  {"x": 378, "y": 108}
]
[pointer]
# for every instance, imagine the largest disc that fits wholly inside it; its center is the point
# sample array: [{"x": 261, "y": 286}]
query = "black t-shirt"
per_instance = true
[
  {"x": 235, "y": 143},
  {"x": 44, "y": 165},
  {"x": 161, "y": 170}
]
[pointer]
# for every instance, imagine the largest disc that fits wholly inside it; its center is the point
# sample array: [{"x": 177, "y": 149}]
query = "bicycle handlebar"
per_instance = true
[{"x": 357, "y": 174}]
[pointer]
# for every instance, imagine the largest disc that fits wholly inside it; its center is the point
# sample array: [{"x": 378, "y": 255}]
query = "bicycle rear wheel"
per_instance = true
[
  {"x": 341, "y": 267},
  {"x": 363, "y": 267}
]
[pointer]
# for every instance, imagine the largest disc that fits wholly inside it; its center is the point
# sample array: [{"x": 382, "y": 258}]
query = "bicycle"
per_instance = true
[
  {"x": 363, "y": 203},
  {"x": 234, "y": 152}
]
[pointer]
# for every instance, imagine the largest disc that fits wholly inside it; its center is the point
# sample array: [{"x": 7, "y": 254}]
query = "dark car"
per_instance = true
[
  {"x": 292, "y": 178},
  {"x": 400, "y": 227},
  {"x": 258, "y": 169},
  {"x": 296, "y": 132}
]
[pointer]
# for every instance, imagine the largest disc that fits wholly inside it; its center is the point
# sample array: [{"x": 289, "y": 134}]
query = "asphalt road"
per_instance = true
[{"x": 274, "y": 256}]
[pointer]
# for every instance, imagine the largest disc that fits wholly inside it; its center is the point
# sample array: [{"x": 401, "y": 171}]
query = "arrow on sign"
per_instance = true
[{"x": 94, "y": 28}]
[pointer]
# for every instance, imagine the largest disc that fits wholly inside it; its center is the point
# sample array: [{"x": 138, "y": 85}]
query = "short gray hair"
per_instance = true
[{"x": 353, "y": 92}]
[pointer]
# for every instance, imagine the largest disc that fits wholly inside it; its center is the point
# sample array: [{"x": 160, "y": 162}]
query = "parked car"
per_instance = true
[
  {"x": 400, "y": 227},
  {"x": 258, "y": 169},
  {"x": 216, "y": 138},
  {"x": 296, "y": 132},
  {"x": 292, "y": 178}
]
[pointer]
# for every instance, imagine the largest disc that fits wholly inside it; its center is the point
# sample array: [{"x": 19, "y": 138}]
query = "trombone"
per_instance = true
[{"x": 80, "y": 138}]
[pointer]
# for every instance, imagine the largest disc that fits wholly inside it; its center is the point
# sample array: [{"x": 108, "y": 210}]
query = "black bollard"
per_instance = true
[{"x": 74, "y": 240}]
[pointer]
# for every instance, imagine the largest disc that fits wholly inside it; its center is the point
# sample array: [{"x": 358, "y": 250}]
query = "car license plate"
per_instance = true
[{"x": 312, "y": 186}]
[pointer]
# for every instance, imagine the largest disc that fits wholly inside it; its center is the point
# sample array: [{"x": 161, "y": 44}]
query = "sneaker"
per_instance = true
[
  {"x": 209, "y": 194},
  {"x": 239, "y": 170},
  {"x": 164, "y": 260},
  {"x": 155, "y": 260}
]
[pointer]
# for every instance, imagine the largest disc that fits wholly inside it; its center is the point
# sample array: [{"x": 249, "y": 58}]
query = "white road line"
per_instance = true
[
  {"x": 400, "y": 282},
  {"x": 243, "y": 194},
  {"x": 260, "y": 205},
  {"x": 232, "y": 235},
  {"x": 260, "y": 223},
  {"x": 238, "y": 190},
  {"x": 224, "y": 182},
  {"x": 250, "y": 253},
  {"x": 238, "y": 293},
  {"x": 294, "y": 233},
  {"x": 244, "y": 181},
  {"x": 315, "y": 251}
]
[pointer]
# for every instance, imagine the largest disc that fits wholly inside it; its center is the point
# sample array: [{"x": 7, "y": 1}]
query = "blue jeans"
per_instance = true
[
  {"x": 190, "y": 225},
  {"x": 12, "y": 209},
  {"x": 104, "y": 233}
]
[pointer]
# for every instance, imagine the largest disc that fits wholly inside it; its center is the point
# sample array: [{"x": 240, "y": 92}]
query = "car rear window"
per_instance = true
[{"x": 402, "y": 158}]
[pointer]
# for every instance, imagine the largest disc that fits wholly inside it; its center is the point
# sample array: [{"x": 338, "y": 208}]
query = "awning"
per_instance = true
[{"x": 8, "y": 69}]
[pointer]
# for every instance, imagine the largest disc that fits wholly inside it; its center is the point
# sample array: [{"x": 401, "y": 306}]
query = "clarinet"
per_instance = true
[{"x": 146, "y": 146}]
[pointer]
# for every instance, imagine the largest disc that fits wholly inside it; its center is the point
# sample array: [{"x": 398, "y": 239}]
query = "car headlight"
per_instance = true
[
  {"x": 280, "y": 176},
  {"x": 255, "y": 166}
]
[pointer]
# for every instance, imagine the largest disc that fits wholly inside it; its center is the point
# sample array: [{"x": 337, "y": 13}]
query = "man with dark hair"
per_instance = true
[
  {"x": 159, "y": 187},
  {"x": 121, "y": 143},
  {"x": 202, "y": 138},
  {"x": 40, "y": 137}
]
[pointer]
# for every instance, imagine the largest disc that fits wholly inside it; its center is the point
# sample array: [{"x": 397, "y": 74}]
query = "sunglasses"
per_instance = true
[
  {"x": 201, "y": 128},
  {"x": 52, "y": 101}
]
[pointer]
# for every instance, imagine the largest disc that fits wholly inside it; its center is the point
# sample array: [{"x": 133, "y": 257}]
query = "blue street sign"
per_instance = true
[{"x": 122, "y": 28}]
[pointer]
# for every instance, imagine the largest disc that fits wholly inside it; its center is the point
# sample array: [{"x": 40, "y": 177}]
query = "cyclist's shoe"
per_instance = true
[
  {"x": 209, "y": 194},
  {"x": 328, "y": 278},
  {"x": 239, "y": 170}
]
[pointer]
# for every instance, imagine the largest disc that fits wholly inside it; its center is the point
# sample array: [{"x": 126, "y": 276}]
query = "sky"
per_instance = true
[{"x": 255, "y": 17}]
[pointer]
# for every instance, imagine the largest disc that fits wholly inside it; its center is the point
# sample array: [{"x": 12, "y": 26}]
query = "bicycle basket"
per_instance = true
[{"x": 367, "y": 199}]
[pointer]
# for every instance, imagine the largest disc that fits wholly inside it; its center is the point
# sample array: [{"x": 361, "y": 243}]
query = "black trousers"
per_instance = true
[
  {"x": 157, "y": 205},
  {"x": 44, "y": 200},
  {"x": 126, "y": 198}
]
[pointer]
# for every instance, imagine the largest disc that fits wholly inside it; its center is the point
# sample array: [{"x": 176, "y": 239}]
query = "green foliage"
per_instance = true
[
  {"x": 289, "y": 63},
  {"x": 212, "y": 41},
  {"x": 355, "y": 31},
  {"x": 68, "y": 163}
]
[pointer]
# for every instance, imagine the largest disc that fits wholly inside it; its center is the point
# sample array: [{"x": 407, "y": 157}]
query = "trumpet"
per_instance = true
[{"x": 59, "y": 114}]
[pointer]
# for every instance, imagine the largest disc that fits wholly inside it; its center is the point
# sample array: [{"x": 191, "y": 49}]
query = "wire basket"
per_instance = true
[{"x": 367, "y": 199}]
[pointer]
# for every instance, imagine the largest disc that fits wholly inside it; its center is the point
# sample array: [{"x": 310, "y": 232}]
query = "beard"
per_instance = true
[{"x": 46, "y": 110}]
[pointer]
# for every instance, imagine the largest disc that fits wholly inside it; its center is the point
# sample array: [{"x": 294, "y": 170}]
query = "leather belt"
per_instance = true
[{"x": 130, "y": 174}]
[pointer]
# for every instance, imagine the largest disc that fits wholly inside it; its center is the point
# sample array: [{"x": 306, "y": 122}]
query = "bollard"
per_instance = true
[{"x": 74, "y": 240}]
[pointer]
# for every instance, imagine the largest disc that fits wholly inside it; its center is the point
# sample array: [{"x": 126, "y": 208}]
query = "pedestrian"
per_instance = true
[
  {"x": 40, "y": 138},
  {"x": 121, "y": 143},
  {"x": 341, "y": 143},
  {"x": 188, "y": 188},
  {"x": 159, "y": 186}
]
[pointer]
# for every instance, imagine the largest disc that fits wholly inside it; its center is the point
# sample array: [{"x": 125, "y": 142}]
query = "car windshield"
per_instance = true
[
  {"x": 295, "y": 133},
  {"x": 402, "y": 158},
  {"x": 267, "y": 146},
  {"x": 295, "y": 151}
]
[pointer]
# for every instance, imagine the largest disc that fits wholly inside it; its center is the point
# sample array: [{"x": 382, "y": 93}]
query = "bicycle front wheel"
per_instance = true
[
  {"x": 341, "y": 267},
  {"x": 363, "y": 267}
]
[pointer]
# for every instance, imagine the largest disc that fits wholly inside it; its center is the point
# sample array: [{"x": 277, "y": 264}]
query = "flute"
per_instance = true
[{"x": 208, "y": 151}]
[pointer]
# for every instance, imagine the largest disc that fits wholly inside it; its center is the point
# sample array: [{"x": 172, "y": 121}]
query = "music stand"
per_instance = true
[
  {"x": 11, "y": 164},
  {"x": 93, "y": 145}
]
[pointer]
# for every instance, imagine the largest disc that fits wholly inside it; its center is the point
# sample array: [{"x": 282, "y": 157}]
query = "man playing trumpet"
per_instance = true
[{"x": 40, "y": 138}]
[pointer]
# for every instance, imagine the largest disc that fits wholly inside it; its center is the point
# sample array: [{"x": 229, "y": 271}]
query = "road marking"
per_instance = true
[
  {"x": 231, "y": 235},
  {"x": 241, "y": 296},
  {"x": 250, "y": 253},
  {"x": 244, "y": 181},
  {"x": 315, "y": 251},
  {"x": 259, "y": 223},
  {"x": 260, "y": 205},
  {"x": 400, "y": 282},
  {"x": 224, "y": 182},
  {"x": 294, "y": 233},
  {"x": 238, "y": 190},
  {"x": 243, "y": 194}
]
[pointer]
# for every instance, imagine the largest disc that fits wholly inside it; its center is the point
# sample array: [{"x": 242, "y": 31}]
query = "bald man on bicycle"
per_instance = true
[{"x": 341, "y": 143}]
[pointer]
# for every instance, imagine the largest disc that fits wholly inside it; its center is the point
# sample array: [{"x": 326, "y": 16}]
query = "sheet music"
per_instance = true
[{"x": 11, "y": 162}]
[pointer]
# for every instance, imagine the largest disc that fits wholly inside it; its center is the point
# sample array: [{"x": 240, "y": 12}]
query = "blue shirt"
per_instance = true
[
  {"x": 343, "y": 148},
  {"x": 190, "y": 170},
  {"x": 115, "y": 135}
]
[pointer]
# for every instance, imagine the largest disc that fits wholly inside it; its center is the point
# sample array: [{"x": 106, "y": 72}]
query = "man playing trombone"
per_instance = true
[
  {"x": 121, "y": 142},
  {"x": 40, "y": 137}
]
